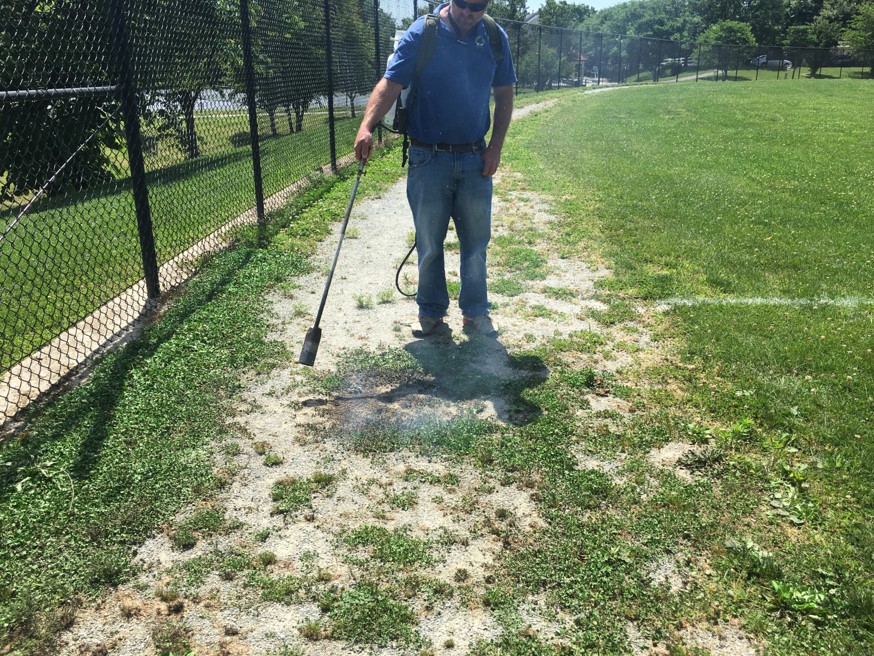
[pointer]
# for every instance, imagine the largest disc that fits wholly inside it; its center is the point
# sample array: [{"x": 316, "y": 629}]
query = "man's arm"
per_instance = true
[
  {"x": 383, "y": 96},
  {"x": 500, "y": 125}
]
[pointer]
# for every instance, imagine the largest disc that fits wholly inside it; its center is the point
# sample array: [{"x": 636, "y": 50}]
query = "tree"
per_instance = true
[
  {"x": 767, "y": 20},
  {"x": 179, "y": 51},
  {"x": 805, "y": 38},
  {"x": 276, "y": 25},
  {"x": 353, "y": 51},
  {"x": 55, "y": 45},
  {"x": 515, "y": 10},
  {"x": 727, "y": 33},
  {"x": 659, "y": 19},
  {"x": 560, "y": 13},
  {"x": 716, "y": 11},
  {"x": 535, "y": 70},
  {"x": 860, "y": 36},
  {"x": 802, "y": 12},
  {"x": 288, "y": 57}
]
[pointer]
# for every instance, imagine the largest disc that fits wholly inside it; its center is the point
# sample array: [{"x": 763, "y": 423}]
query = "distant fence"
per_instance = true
[
  {"x": 134, "y": 134},
  {"x": 549, "y": 58}
]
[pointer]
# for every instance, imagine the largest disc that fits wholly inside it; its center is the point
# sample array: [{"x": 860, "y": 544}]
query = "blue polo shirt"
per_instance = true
[{"x": 452, "y": 96}]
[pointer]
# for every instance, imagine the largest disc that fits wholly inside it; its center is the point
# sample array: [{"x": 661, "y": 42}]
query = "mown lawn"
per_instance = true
[
  {"x": 100, "y": 468},
  {"x": 758, "y": 196},
  {"x": 72, "y": 253},
  {"x": 755, "y": 196}
]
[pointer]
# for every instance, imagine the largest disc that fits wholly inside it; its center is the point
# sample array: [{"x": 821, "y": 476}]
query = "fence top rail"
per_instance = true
[{"x": 28, "y": 94}]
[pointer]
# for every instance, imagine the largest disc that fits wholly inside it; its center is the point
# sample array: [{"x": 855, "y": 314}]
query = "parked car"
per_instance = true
[
  {"x": 682, "y": 62},
  {"x": 762, "y": 61}
]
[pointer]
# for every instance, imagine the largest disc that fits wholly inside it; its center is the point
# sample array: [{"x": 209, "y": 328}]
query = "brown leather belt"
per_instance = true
[{"x": 451, "y": 148}]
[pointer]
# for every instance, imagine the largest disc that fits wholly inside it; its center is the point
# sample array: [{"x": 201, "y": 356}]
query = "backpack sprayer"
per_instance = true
[{"x": 399, "y": 125}]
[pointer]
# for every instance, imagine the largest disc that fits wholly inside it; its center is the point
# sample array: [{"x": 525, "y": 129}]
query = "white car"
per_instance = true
[{"x": 762, "y": 61}]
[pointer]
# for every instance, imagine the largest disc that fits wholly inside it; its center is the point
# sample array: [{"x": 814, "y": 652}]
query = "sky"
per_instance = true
[{"x": 534, "y": 5}]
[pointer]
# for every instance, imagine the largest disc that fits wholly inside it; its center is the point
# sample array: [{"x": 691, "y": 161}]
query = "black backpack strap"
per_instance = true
[
  {"x": 494, "y": 39},
  {"x": 429, "y": 43},
  {"x": 426, "y": 52}
]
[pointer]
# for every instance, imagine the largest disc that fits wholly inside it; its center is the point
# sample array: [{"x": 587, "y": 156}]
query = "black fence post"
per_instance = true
[
  {"x": 698, "y": 63},
  {"x": 133, "y": 138},
  {"x": 560, "y": 53},
  {"x": 639, "y": 56},
  {"x": 332, "y": 136},
  {"x": 377, "y": 59},
  {"x": 518, "y": 61},
  {"x": 254, "y": 139},
  {"x": 600, "y": 55},
  {"x": 539, "y": 42},
  {"x": 580, "y": 65},
  {"x": 619, "y": 73},
  {"x": 658, "y": 75}
]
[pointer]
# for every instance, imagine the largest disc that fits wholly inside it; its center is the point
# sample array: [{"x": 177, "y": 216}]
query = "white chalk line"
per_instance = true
[{"x": 842, "y": 302}]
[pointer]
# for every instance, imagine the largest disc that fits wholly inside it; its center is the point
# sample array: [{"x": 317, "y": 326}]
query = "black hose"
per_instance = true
[{"x": 398, "y": 275}]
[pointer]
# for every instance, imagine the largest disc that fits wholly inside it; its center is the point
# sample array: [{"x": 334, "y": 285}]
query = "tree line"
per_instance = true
[{"x": 795, "y": 23}]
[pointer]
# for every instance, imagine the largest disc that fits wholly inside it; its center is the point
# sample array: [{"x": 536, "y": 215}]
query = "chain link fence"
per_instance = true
[
  {"x": 551, "y": 58},
  {"x": 135, "y": 133}
]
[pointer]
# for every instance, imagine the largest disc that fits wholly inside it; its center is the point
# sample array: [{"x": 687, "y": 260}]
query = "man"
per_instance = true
[{"x": 450, "y": 165}]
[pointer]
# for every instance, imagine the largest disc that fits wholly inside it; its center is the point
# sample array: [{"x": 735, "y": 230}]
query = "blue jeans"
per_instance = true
[{"x": 439, "y": 186}]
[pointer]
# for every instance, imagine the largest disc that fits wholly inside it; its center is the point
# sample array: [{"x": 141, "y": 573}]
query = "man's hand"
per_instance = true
[
  {"x": 384, "y": 95},
  {"x": 363, "y": 143},
  {"x": 491, "y": 160},
  {"x": 503, "y": 114}
]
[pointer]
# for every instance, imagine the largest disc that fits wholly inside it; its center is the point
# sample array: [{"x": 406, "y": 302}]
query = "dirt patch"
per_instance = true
[
  {"x": 667, "y": 571},
  {"x": 671, "y": 455},
  {"x": 725, "y": 640}
]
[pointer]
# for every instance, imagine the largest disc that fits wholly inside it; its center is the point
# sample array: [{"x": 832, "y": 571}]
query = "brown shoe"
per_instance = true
[
  {"x": 481, "y": 325},
  {"x": 431, "y": 326}
]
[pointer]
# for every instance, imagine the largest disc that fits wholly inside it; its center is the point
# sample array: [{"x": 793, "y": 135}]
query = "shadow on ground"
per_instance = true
[{"x": 445, "y": 396}]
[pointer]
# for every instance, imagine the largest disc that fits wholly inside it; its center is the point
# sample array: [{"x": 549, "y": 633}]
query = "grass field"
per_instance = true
[
  {"x": 71, "y": 254},
  {"x": 760, "y": 196},
  {"x": 736, "y": 221},
  {"x": 120, "y": 456}
]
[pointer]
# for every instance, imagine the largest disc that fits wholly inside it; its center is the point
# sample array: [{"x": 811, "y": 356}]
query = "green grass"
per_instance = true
[
  {"x": 366, "y": 613},
  {"x": 71, "y": 253},
  {"x": 392, "y": 548},
  {"x": 101, "y": 467},
  {"x": 725, "y": 192},
  {"x": 675, "y": 189},
  {"x": 292, "y": 494}
]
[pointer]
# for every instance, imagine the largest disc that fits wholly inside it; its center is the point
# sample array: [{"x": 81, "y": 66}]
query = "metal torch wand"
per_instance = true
[{"x": 314, "y": 334}]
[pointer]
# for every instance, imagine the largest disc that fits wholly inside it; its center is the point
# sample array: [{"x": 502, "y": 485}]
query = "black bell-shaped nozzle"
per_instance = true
[{"x": 310, "y": 347}]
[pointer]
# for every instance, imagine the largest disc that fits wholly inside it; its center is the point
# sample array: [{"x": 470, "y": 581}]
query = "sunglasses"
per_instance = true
[{"x": 473, "y": 6}]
